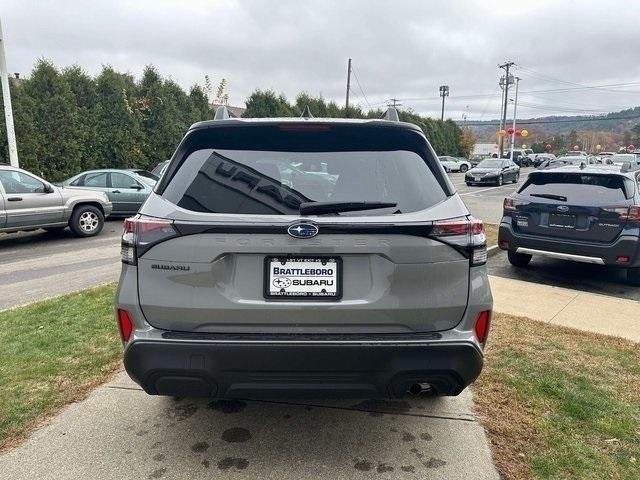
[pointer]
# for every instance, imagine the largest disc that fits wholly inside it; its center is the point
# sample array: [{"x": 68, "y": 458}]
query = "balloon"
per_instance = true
[
  {"x": 501, "y": 133},
  {"x": 524, "y": 133},
  {"x": 631, "y": 147},
  {"x": 576, "y": 147},
  {"x": 547, "y": 147},
  {"x": 598, "y": 147},
  {"x": 510, "y": 131},
  {"x": 524, "y": 146}
]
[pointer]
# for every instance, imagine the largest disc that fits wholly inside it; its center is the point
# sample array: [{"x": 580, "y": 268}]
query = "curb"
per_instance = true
[{"x": 493, "y": 250}]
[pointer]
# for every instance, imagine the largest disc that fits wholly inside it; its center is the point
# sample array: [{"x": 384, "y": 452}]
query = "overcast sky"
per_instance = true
[{"x": 402, "y": 49}]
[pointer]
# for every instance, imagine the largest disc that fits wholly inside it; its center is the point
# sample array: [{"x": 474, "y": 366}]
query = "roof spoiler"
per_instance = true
[
  {"x": 391, "y": 114},
  {"x": 223, "y": 113}
]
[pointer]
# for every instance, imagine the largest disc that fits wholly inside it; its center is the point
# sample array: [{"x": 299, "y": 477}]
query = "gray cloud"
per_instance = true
[{"x": 402, "y": 49}]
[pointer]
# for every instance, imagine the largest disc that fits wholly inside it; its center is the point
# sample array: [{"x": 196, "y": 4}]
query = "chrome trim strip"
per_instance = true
[{"x": 561, "y": 256}]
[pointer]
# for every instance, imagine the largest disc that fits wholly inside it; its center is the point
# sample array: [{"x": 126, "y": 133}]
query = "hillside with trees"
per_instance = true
[{"x": 610, "y": 131}]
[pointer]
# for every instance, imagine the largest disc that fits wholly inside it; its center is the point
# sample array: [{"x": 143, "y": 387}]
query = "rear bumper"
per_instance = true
[
  {"x": 481, "y": 181},
  {"x": 603, "y": 254},
  {"x": 312, "y": 370}
]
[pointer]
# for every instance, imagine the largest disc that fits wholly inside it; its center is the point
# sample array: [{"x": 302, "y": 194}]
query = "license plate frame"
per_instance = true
[
  {"x": 563, "y": 221},
  {"x": 270, "y": 293}
]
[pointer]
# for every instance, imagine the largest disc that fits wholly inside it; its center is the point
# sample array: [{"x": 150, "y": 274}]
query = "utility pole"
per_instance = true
[
  {"x": 513, "y": 126},
  {"x": 393, "y": 102},
  {"x": 508, "y": 80},
  {"x": 8, "y": 111},
  {"x": 444, "y": 92},
  {"x": 346, "y": 103}
]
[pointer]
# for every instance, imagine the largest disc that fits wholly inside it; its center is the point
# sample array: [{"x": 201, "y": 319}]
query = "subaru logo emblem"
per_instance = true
[
  {"x": 562, "y": 208},
  {"x": 302, "y": 230}
]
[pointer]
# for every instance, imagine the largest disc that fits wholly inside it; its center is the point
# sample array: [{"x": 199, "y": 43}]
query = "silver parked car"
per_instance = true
[
  {"x": 235, "y": 284},
  {"x": 28, "y": 202},
  {"x": 126, "y": 189}
]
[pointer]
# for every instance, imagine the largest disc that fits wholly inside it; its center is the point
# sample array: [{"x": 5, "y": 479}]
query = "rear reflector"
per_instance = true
[
  {"x": 622, "y": 259},
  {"x": 504, "y": 245},
  {"x": 482, "y": 326},
  {"x": 124, "y": 324}
]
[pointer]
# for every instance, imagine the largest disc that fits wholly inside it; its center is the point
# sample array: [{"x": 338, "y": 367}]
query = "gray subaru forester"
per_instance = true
[{"x": 304, "y": 257}]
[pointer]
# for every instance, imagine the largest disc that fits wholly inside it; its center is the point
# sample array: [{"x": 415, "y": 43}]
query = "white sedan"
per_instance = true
[{"x": 454, "y": 164}]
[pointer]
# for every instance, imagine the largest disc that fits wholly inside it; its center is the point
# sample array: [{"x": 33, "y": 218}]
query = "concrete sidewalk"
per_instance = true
[
  {"x": 570, "y": 308},
  {"x": 119, "y": 432}
]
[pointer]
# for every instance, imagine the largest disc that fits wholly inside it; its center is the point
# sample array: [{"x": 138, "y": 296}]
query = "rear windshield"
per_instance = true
[
  {"x": 276, "y": 182},
  {"x": 579, "y": 189}
]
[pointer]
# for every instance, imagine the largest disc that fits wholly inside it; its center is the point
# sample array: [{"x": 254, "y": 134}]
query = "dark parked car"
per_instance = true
[
  {"x": 581, "y": 213},
  {"x": 539, "y": 158},
  {"x": 494, "y": 171}
]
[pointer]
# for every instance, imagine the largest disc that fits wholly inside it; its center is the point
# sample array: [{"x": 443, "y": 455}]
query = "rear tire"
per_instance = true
[
  {"x": 520, "y": 260},
  {"x": 86, "y": 221},
  {"x": 633, "y": 276},
  {"x": 500, "y": 181},
  {"x": 463, "y": 168}
]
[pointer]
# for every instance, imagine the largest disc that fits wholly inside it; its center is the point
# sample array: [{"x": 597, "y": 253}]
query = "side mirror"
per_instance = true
[{"x": 48, "y": 188}]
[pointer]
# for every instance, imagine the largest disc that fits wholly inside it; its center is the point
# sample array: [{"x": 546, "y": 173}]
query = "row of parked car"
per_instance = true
[{"x": 82, "y": 202}]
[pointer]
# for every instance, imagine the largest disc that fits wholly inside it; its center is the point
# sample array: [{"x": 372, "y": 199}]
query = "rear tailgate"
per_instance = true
[
  {"x": 573, "y": 206},
  {"x": 390, "y": 284}
]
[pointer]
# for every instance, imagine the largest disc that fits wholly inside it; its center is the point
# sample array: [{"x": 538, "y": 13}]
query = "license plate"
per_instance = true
[
  {"x": 562, "y": 221},
  {"x": 303, "y": 277},
  {"x": 476, "y": 179}
]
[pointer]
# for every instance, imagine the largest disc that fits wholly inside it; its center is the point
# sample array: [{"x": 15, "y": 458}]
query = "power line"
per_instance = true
[{"x": 355, "y": 75}]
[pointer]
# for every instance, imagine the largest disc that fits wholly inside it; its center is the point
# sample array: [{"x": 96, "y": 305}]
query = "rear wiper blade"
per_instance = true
[
  {"x": 550, "y": 196},
  {"x": 317, "y": 208}
]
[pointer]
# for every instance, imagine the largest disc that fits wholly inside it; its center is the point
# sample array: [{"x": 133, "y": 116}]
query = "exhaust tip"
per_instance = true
[{"x": 419, "y": 389}]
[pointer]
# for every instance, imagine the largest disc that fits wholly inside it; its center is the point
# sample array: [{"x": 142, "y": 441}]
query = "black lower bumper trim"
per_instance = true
[{"x": 209, "y": 369}]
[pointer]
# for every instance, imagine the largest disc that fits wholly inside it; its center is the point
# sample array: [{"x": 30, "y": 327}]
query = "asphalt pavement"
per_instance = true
[
  {"x": 119, "y": 432},
  {"x": 37, "y": 265},
  {"x": 485, "y": 201}
]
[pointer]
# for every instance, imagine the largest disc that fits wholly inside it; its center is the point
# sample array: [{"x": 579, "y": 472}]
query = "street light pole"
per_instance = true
[
  {"x": 513, "y": 126},
  {"x": 8, "y": 111},
  {"x": 444, "y": 92}
]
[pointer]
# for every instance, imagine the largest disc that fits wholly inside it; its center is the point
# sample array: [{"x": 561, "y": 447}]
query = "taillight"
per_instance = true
[
  {"x": 140, "y": 232},
  {"x": 464, "y": 232},
  {"x": 125, "y": 324},
  {"x": 634, "y": 214},
  {"x": 511, "y": 205},
  {"x": 483, "y": 321},
  {"x": 628, "y": 214}
]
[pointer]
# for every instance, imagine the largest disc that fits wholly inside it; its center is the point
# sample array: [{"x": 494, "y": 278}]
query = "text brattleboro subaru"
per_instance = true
[{"x": 304, "y": 257}]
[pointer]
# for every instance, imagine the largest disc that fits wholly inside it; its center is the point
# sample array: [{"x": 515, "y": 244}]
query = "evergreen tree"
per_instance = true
[
  {"x": 118, "y": 136},
  {"x": 83, "y": 89},
  {"x": 56, "y": 123}
]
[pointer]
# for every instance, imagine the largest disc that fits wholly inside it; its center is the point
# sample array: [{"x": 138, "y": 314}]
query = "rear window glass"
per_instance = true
[
  {"x": 276, "y": 182},
  {"x": 580, "y": 189}
]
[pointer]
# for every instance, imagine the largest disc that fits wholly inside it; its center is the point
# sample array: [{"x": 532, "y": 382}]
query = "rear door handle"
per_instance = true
[{"x": 14, "y": 199}]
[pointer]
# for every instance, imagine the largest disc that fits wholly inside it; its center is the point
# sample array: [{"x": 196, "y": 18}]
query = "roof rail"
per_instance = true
[
  {"x": 223, "y": 113},
  {"x": 391, "y": 114},
  {"x": 307, "y": 112}
]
